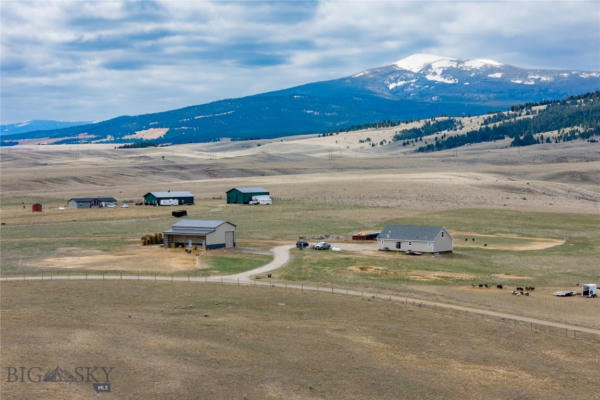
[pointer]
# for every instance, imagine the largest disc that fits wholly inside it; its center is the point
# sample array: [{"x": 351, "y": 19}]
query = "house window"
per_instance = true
[
  {"x": 410, "y": 243},
  {"x": 442, "y": 234}
]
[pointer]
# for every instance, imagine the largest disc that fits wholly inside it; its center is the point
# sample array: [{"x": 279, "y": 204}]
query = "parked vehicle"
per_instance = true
[
  {"x": 261, "y": 199},
  {"x": 322, "y": 246},
  {"x": 301, "y": 244}
]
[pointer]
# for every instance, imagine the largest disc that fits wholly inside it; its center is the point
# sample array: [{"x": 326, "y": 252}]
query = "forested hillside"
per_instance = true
[{"x": 577, "y": 117}]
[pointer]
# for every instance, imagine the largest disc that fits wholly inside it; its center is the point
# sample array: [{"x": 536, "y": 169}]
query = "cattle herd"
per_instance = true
[{"x": 519, "y": 291}]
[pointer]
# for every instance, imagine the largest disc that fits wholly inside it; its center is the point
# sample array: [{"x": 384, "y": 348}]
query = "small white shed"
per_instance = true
[{"x": 589, "y": 290}]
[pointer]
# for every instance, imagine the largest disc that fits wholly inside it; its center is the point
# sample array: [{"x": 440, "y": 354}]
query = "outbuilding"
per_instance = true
[
  {"x": 589, "y": 290},
  {"x": 92, "y": 202},
  {"x": 213, "y": 234},
  {"x": 168, "y": 198},
  {"x": 365, "y": 235},
  {"x": 415, "y": 238},
  {"x": 243, "y": 195},
  {"x": 37, "y": 207}
]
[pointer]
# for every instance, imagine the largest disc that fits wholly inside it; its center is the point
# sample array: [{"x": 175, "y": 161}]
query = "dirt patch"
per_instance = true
[
  {"x": 437, "y": 275},
  {"x": 509, "y": 276},
  {"x": 505, "y": 241},
  {"x": 152, "y": 133},
  {"x": 130, "y": 258}
]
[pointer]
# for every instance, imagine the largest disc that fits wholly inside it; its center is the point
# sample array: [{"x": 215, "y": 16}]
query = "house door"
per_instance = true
[
  {"x": 398, "y": 245},
  {"x": 230, "y": 239}
]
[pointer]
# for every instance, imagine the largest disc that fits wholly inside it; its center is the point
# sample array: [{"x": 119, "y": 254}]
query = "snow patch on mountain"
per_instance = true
[
  {"x": 589, "y": 75},
  {"x": 496, "y": 75},
  {"x": 417, "y": 62},
  {"x": 540, "y": 77},
  {"x": 477, "y": 63},
  {"x": 396, "y": 84}
]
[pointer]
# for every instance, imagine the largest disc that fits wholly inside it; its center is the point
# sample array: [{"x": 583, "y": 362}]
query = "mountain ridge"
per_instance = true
[{"x": 415, "y": 87}]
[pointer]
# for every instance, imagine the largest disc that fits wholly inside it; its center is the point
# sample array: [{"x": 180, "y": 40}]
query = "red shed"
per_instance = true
[{"x": 37, "y": 207}]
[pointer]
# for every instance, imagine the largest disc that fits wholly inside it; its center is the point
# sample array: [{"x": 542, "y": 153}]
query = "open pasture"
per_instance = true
[{"x": 191, "y": 340}]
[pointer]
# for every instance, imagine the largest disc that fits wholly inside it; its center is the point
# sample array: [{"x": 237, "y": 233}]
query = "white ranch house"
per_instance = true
[{"x": 410, "y": 238}]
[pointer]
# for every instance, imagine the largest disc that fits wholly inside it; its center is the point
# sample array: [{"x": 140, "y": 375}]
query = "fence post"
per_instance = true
[
  {"x": 332, "y": 291},
  {"x": 155, "y": 276},
  {"x": 50, "y": 275},
  {"x": 238, "y": 281},
  {"x": 188, "y": 277},
  {"x": 102, "y": 275},
  {"x": 42, "y": 275},
  {"x": 301, "y": 286},
  {"x": 121, "y": 275},
  {"x": 86, "y": 275}
]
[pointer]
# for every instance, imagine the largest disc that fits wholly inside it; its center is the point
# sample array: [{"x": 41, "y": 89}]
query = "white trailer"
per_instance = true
[
  {"x": 589, "y": 290},
  {"x": 261, "y": 199},
  {"x": 169, "y": 202}
]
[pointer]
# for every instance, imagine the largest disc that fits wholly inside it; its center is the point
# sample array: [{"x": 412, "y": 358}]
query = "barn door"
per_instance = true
[{"x": 230, "y": 239}]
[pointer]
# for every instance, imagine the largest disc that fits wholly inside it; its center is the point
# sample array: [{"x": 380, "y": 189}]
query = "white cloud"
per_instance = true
[{"x": 90, "y": 60}]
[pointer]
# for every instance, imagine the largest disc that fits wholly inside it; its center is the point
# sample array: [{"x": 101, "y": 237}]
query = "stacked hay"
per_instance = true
[{"x": 153, "y": 238}]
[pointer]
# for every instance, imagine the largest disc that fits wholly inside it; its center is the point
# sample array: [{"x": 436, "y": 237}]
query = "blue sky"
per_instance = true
[{"x": 94, "y": 60}]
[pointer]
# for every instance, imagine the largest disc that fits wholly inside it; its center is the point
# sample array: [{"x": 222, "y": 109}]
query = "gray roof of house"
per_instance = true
[
  {"x": 103, "y": 199},
  {"x": 410, "y": 232},
  {"x": 251, "y": 189},
  {"x": 198, "y": 224},
  {"x": 169, "y": 195},
  {"x": 190, "y": 231}
]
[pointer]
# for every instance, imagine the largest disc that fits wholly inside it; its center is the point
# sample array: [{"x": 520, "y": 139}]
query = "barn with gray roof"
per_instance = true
[
  {"x": 92, "y": 202},
  {"x": 212, "y": 233},
  {"x": 168, "y": 198},
  {"x": 415, "y": 238}
]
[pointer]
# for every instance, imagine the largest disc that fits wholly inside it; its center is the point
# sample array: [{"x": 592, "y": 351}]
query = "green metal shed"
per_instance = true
[
  {"x": 168, "y": 198},
  {"x": 243, "y": 195}
]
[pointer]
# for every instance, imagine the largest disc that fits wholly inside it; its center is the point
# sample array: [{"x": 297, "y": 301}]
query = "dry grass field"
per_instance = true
[
  {"x": 534, "y": 214},
  {"x": 191, "y": 341}
]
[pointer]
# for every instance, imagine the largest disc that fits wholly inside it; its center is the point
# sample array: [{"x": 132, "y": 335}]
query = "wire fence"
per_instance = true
[{"x": 467, "y": 313}]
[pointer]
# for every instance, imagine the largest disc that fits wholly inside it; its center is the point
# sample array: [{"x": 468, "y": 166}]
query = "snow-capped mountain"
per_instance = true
[
  {"x": 418, "y": 86},
  {"x": 435, "y": 78}
]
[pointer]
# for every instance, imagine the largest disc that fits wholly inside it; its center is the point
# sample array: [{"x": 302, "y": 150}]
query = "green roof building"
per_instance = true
[{"x": 243, "y": 195}]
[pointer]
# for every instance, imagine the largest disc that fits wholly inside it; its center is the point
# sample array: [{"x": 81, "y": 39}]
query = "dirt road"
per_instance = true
[{"x": 281, "y": 256}]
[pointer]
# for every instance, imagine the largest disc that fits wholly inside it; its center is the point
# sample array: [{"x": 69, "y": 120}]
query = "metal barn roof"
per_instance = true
[
  {"x": 104, "y": 199},
  {"x": 169, "y": 195},
  {"x": 198, "y": 224},
  {"x": 410, "y": 232},
  {"x": 251, "y": 189},
  {"x": 190, "y": 231}
]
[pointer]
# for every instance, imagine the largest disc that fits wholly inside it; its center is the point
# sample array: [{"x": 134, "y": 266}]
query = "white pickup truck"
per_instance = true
[{"x": 261, "y": 199}]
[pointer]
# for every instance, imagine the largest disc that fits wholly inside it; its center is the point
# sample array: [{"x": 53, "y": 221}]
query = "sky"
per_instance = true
[{"x": 78, "y": 60}]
